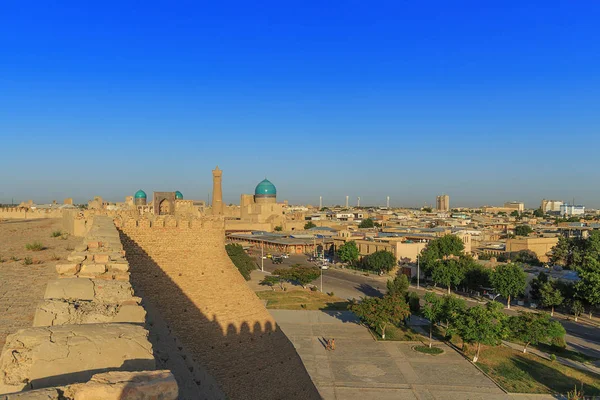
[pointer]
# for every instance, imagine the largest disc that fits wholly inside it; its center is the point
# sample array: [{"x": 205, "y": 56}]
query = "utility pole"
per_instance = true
[{"x": 262, "y": 253}]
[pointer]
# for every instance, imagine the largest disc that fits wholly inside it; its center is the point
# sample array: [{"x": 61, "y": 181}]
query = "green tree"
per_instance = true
[
  {"x": 439, "y": 249},
  {"x": 577, "y": 308},
  {"x": 432, "y": 310},
  {"x": 509, "y": 280},
  {"x": 538, "y": 213},
  {"x": 398, "y": 286},
  {"x": 526, "y": 257},
  {"x": 381, "y": 260},
  {"x": 272, "y": 280},
  {"x": 452, "y": 308},
  {"x": 366, "y": 223},
  {"x": 300, "y": 274},
  {"x": 477, "y": 276},
  {"x": 482, "y": 325},
  {"x": 523, "y": 230},
  {"x": 379, "y": 313},
  {"x": 278, "y": 229},
  {"x": 243, "y": 262},
  {"x": 533, "y": 328},
  {"x": 550, "y": 296},
  {"x": 348, "y": 252},
  {"x": 309, "y": 225},
  {"x": 588, "y": 289},
  {"x": 515, "y": 213},
  {"x": 414, "y": 302},
  {"x": 448, "y": 272},
  {"x": 427, "y": 209}
]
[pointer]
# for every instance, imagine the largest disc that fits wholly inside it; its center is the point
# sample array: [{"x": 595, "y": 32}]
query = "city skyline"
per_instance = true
[{"x": 488, "y": 103}]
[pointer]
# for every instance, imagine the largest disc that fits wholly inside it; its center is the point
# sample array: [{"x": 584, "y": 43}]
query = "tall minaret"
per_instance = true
[{"x": 217, "y": 200}]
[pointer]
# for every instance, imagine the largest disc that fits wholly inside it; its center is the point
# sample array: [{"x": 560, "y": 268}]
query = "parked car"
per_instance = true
[
  {"x": 269, "y": 255},
  {"x": 277, "y": 259},
  {"x": 285, "y": 255}
]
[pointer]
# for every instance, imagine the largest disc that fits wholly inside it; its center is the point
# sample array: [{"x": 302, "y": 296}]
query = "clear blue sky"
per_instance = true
[{"x": 487, "y": 101}]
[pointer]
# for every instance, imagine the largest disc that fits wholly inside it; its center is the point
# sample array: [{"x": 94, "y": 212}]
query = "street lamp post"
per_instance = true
[
  {"x": 321, "y": 279},
  {"x": 262, "y": 253},
  {"x": 418, "y": 272}
]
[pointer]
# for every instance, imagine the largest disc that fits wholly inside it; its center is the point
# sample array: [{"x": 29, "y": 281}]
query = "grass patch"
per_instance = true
[
  {"x": 398, "y": 334},
  {"x": 27, "y": 261},
  {"x": 13, "y": 258},
  {"x": 527, "y": 373},
  {"x": 564, "y": 353},
  {"x": 35, "y": 246},
  {"x": 434, "y": 351},
  {"x": 300, "y": 299},
  {"x": 56, "y": 234}
]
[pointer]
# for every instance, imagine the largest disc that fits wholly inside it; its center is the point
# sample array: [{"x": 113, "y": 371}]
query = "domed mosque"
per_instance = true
[
  {"x": 178, "y": 195},
  {"x": 262, "y": 207},
  {"x": 265, "y": 192},
  {"x": 140, "y": 198}
]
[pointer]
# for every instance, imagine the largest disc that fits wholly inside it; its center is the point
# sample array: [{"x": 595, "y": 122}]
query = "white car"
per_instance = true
[
  {"x": 285, "y": 255},
  {"x": 324, "y": 266}
]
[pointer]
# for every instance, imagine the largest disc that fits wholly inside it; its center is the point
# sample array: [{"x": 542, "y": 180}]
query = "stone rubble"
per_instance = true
[{"x": 88, "y": 331}]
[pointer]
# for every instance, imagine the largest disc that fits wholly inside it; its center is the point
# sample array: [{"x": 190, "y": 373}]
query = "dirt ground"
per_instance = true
[{"x": 22, "y": 285}]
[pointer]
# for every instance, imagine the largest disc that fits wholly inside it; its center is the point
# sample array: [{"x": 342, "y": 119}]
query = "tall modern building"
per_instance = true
[
  {"x": 551, "y": 205},
  {"x": 442, "y": 203},
  {"x": 217, "y": 200}
]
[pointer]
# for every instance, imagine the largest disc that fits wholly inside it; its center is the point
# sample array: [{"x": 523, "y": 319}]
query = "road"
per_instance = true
[{"x": 351, "y": 284}]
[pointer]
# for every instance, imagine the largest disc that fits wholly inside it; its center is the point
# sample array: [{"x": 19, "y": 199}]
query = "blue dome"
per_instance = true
[
  {"x": 265, "y": 188},
  {"x": 140, "y": 194},
  {"x": 178, "y": 195}
]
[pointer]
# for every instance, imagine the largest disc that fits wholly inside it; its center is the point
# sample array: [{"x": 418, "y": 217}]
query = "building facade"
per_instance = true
[{"x": 442, "y": 203}]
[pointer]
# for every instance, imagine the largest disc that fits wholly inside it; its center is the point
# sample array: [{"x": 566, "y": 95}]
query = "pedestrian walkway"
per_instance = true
[{"x": 361, "y": 368}]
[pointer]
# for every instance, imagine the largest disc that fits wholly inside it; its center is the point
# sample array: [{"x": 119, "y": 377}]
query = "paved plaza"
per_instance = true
[{"x": 361, "y": 368}]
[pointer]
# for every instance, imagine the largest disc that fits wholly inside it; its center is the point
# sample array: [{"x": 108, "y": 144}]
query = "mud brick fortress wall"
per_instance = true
[
  {"x": 181, "y": 268},
  {"x": 24, "y": 213}
]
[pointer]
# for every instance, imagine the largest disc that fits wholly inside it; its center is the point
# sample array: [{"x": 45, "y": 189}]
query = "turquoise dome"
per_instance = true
[
  {"x": 178, "y": 195},
  {"x": 265, "y": 188},
  {"x": 140, "y": 194}
]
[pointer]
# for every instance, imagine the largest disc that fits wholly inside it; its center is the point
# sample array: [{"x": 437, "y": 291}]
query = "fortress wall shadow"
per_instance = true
[{"x": 181, "y": 269}]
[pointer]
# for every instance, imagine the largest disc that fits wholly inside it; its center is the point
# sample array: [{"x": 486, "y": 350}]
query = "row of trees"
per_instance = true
[
  {"x": 379, "y": 261},
  {"x": 477, "y": 325},
  {"x": 583, "y": 256},
  {"x": 244, "y": 263},
  {"x": 445, "y": 262}
]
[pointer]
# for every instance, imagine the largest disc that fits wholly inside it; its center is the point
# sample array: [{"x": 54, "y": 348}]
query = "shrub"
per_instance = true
[
  {"x": 14, "y": 258},
  {"x": 35, "y": 246},
  {"x": 27, "y": 261},
  {"x": 2, "y": 260},
  {"x": 428, "y": 350},
  {"x": 330, "y": 294},
  {"x": 558, "y": 342},
  {"x": 55, "y": 257},
  {"x": 56, "y": 234},
  {"x": 313, "y": 288},
  {"x": 552, "y": 357}
]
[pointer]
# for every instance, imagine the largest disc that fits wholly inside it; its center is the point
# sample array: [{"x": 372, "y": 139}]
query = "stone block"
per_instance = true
[
  {"x": 112, "y": 292},
  {"x": 130, "y": 313},
  {"x": 94, "y": 269},
  {"x": 101, "y": 258},
  {"x": 59, "y": 355},
  {"x": 119, "y": 385},
  {"x": 76, "y": 257},
  {"x": 58, "y": 312},
  {"x": 70, "y": 289},
  {"x": 123, "y": 266},
  {"x": 81, "y": 247},
  {"x": 93, "y": 245},
  {"x": 67, "y": 269}
]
